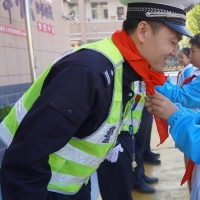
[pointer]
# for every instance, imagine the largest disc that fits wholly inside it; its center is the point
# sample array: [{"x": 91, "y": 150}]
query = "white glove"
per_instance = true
[{"x": 112, "y": 155}]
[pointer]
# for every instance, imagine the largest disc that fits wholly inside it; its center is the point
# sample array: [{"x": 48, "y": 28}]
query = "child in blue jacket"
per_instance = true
[
  {"x": 188, "y": 96},
  {"x": 185, "y": 130},
  {"x": 185, "y": 61}
]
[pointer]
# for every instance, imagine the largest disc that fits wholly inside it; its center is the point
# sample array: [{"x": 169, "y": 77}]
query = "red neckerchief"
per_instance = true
[
  {"x": 178, "y": 77},
  {"x": 151, "y": 78},
  {"x": 190, "y": 165},
  {"x": 187, "y": 80}
]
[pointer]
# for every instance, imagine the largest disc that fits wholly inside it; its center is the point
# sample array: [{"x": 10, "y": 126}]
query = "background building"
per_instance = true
[
  {"x": 94, "y": 19},
  {"x": 31, "y": 38},
  {"x": 50, "y": 37}
]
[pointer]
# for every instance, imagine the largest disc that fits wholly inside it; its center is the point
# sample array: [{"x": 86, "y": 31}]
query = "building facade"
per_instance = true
[
  {"x": 34, "y": 32},
  {"x": 94, "y": 19},
  {"x": 29, "y": 44}
]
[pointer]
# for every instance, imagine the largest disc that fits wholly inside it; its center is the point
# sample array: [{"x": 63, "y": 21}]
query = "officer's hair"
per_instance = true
[
  {"x": 195, "y": 40},
  {"x": 186, "y": 51},
  {"x": 130, "y": 25}
]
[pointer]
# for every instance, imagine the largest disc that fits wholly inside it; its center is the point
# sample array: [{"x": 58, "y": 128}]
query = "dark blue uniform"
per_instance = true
[{"x": 74, "y": 101}]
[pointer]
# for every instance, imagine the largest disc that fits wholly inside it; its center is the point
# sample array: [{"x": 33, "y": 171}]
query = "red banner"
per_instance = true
[{"x": 13, "y": 31}]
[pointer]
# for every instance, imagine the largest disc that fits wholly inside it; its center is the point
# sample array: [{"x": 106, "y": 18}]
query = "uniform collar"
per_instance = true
[{"x": 129, "y": 74}]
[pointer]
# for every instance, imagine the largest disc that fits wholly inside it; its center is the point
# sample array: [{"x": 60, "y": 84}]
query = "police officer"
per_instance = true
[{"x": 61, "y": 129}]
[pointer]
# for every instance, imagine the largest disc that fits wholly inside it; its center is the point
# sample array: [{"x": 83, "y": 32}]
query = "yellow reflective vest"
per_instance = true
[{"x": 72, "y": 165}]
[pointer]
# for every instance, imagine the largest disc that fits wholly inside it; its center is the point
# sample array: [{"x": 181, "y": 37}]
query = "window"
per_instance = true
[
  {"x": 120, "y": 13},
  {"x": 73, "y": 9},
  {"x": 99, "y": 10}
]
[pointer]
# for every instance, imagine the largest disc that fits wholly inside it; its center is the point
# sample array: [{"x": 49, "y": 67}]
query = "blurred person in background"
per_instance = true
[{"x": 185, "y": 61}]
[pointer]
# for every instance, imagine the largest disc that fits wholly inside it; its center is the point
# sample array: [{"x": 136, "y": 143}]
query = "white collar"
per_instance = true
[
  {"x": 186, "y": 67},
  {"x": 196, "y": 72}
]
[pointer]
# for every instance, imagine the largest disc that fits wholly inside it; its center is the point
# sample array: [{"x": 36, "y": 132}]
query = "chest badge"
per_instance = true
[{"x": 108, "y": 134}]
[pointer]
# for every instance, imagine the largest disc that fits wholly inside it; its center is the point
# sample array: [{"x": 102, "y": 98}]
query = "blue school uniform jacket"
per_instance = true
[
  {"x": 187, "y": 137},
  {"x": 185, "y": 73}
]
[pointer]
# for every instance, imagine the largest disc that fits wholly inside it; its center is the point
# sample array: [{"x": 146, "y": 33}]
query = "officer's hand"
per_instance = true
[
  {"x": 112, "y": 155},
  {"x": 162, "y": 106}
]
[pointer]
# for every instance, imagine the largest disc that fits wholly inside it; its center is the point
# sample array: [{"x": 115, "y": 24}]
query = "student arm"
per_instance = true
[
  {"x": 185, "y": 130},
  {"x": 188, "y": 95}
]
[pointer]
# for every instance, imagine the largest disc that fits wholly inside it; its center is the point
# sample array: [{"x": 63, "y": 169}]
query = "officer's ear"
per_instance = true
[{"x": 143, "y": 29}]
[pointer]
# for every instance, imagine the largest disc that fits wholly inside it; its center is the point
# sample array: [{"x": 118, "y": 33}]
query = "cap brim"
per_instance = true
[{"x": 179, "y": 28}]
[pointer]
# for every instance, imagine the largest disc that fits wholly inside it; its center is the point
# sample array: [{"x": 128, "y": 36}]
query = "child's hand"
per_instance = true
[
  {"x": 160, "y": 106},
  {"x": 148, "y": 103}
]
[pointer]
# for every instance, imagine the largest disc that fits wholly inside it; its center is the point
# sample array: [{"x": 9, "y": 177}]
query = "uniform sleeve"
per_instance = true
[
  {"x": 188, "y": 95},
  {"x": 185, "y": 130},
  {"x": 55, "y": 117},
  {"x": 169, "y": 82}
]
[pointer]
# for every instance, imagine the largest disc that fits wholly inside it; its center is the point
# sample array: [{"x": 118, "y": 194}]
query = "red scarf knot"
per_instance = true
[{"x": 151, "y": 78}]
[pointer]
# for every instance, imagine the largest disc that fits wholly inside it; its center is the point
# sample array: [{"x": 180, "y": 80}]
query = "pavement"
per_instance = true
[{"x": 170, "y": 173}]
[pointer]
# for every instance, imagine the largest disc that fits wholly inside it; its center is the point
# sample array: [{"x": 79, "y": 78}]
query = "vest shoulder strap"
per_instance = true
[{"x": 107, "y": 48}]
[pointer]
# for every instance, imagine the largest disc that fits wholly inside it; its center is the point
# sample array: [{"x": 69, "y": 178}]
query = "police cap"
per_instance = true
[{"x": 171, "y": 12}]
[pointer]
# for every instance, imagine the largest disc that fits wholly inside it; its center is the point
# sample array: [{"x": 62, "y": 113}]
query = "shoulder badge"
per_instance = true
[{"x": 108, "y": 75}]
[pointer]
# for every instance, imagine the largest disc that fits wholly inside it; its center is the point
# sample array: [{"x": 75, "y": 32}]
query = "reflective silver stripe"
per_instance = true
[
  {"x": 5, "y": 134},
  {"x": 129, "y": 121},
  {"x": 2, "y": 151},
  {"x": 76, "y": 155},
  {"x": 139, "y": 106},
  {"x": 108, "y": 77},
  {"x": 139, "y": 87},
  {"x": 63, "y": 55},
  {"x": 102, "y": 132},
  {"x": 66, "y": 179},
  {"x": 20, "y": 110},
  {"x": 3, "y": 145}
]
